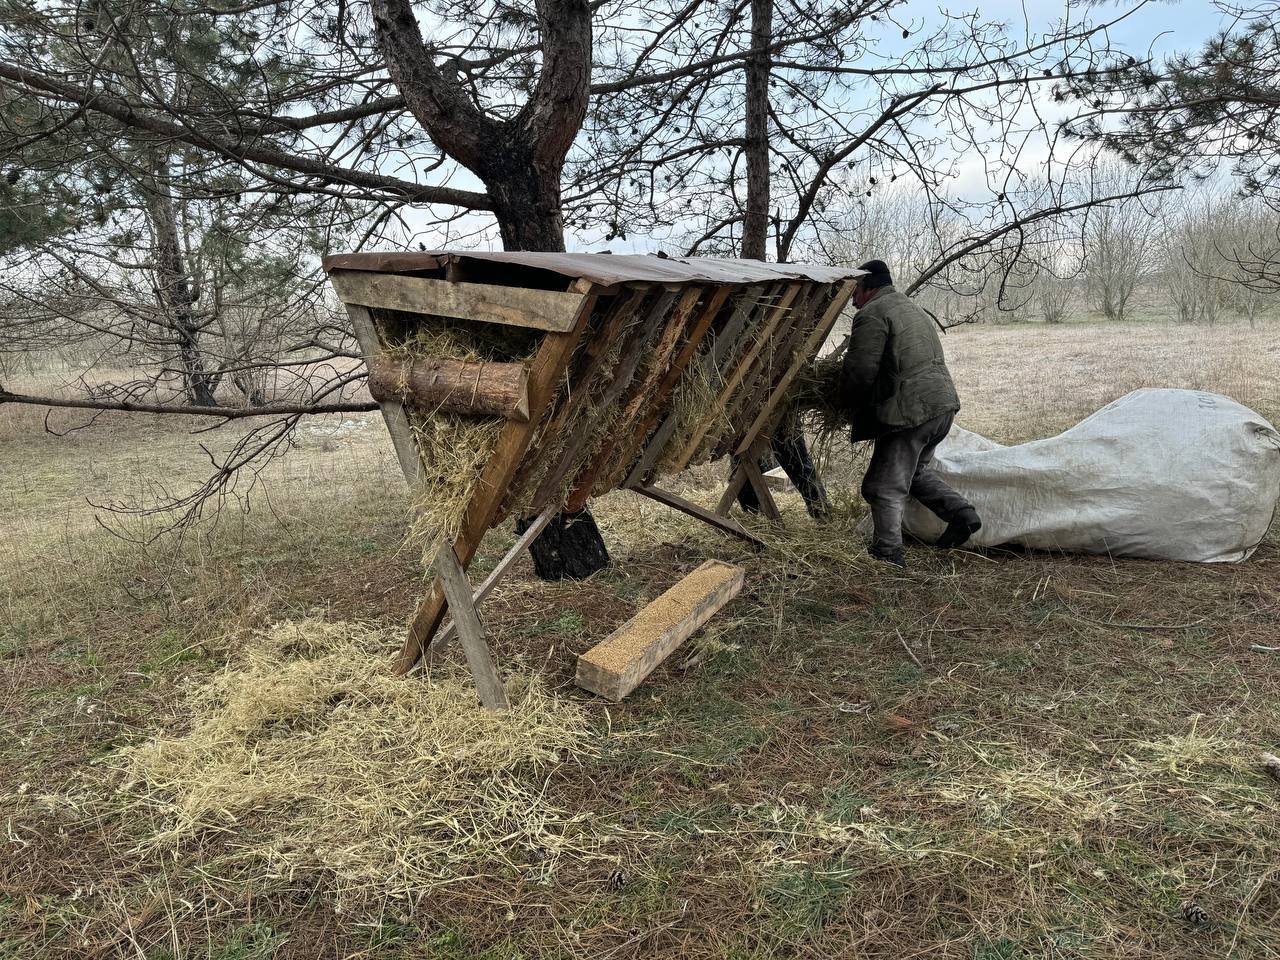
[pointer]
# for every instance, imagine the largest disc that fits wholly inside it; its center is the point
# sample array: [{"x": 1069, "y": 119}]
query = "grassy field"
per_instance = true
[{"x": 993, "y": 756}]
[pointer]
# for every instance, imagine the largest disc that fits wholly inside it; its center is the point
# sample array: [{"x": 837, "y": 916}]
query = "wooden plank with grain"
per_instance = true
[
  {"x": 550, "y": 310},
  {"x": 620, "y": 663}
]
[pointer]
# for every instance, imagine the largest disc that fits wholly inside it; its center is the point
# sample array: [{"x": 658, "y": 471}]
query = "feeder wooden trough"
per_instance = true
[{"x": 584, "y": 359}]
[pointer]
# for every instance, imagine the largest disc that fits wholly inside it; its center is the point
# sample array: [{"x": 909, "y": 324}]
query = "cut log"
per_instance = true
[
  {"x": 619, "y": 664},
  {"x": 453, "y": 386}
]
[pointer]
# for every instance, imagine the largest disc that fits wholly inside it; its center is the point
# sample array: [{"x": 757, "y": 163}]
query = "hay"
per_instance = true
[
  {"x": 695, "y": 400},
  {"x": 452, "y": 449},
  {"x": 816, "y": 394},
  {"x": 309, "y": 756}
]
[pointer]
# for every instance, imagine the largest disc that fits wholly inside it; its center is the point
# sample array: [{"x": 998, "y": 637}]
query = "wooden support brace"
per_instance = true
[
  {"x": 619, "y": 664},
  {"x": 501, "y": 570},
  {"x": 723, "y": 524},
  {"x": 751, "y": 467},
  {"x": 737, "y": 480},
  {"x": 457, "y": 590}
]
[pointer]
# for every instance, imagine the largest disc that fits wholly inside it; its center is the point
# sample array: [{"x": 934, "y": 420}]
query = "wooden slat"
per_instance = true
[
  {"x": 721, "y": 523},
  {"x": 637, "y": 392},
  {"x": 725, "y": 339},
  {"x": 756, "y": 385},
  {"x": 812, "y": 345},
  {"x": 744, "y": 365},
  {"x": 487, "y": 303},
  {"x": 496, "y": 575},
  {"x": 393, "y": 413},
  {"x": 633, "y": 439},
  {"x": 612, "y": 383},
  {"x": 619, "y": 664},
  {"x": 570, "y": 395},
  {"x": 544, "y": 374},
  {"x": 457, "y": 590}
]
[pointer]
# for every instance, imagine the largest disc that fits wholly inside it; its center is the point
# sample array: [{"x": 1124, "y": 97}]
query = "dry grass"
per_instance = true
[
  {"x": 309, "y": 757},
  {"x": 992, "y": 756},
  {"x": 1018, "y": 382}
]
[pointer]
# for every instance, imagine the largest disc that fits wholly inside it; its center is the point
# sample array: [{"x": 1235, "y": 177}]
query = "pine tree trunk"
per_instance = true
[
  {"x": 520, "y": 159},
  {"x": 755, "y": 221},
  {"x": 528, "y": 212}
]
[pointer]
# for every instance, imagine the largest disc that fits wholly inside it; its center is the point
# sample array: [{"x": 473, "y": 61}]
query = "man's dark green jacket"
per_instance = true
[{"x": 894, "y": 375}]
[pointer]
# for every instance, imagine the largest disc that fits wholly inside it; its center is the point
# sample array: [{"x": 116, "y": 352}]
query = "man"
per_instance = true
[{"x": 896, "y": 386}]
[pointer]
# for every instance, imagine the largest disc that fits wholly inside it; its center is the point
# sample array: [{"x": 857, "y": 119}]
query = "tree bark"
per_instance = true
[
  {"x": 755, "y": 222},
  {"x": 470, "y": 388},
  {"x": 520, "y": 161},
  {"x": 175, "y": 296}
]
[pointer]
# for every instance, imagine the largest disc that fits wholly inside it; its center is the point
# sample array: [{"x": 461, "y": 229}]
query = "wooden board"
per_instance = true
[
  {"x": 457, "y": 589},
  {"x": 504, "y": 566},
  {"x": 393, "y": 413},
  {"x": 511, "y": 306},
  {"x": 620, "y": 663}
]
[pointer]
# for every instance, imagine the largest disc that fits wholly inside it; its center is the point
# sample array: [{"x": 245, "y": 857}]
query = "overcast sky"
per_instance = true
[{"x": 1157, "y": 30}]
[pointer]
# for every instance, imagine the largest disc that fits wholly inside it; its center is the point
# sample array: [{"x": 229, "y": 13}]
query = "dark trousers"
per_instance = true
[
  {"x": 900, "y": 468},
  {"x": 792, "y": 454}
]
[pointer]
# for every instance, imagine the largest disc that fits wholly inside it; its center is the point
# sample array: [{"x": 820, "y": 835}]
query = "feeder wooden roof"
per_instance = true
[
  {"x": 599, "y": 268},
  {"x": 602, "y": 349}
]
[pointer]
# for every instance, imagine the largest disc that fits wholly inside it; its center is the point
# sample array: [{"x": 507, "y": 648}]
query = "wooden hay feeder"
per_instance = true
[{"x": 597, "y": 372}]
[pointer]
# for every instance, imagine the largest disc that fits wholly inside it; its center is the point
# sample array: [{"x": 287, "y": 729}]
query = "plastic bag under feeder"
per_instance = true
[{"x": 1162, "y": 474}]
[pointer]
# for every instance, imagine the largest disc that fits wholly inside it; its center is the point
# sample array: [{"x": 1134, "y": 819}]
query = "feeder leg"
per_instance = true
[
  {"x": 504, "y": 566},
  {"x": 457, "y": 590}
]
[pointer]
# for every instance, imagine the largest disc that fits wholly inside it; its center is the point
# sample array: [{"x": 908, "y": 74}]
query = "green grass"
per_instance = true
[{"x": 790, "y": 783}]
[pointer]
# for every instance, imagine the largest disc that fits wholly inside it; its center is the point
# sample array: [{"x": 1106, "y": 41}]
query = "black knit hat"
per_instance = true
[{"x": 877, "y": 275}]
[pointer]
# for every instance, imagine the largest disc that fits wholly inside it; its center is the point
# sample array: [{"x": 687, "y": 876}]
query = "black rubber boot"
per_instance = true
[
  {"x": 959, "y": 530},
  {"x": 885, "y": 554}
]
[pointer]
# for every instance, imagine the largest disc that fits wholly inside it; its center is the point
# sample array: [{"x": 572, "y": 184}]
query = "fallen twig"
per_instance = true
[{"x": 907, "y": 647}]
